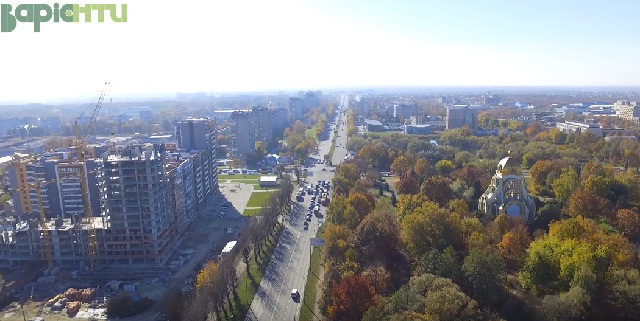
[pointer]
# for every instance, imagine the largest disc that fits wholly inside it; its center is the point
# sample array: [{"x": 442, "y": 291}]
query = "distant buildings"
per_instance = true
[
  {"x": 243, "y": 141},
  {"x": 579, "y": 127},
  {"x": 404, "y": 110},
  {"x": 194, "y": 133},
  {"x": 491, "y": 100},
  {"x": 261, "y": 124},
  {"x": 373, "y": 125},
  {"x": 460, "y": 116},
  {"x": 418, "y": 129},
  {"x": 629, "y": 110},
  {"x": 303, "y": 102}
]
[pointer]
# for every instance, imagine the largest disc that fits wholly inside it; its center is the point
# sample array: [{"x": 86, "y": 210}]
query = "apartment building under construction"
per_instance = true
[{"x": 146, "y": 196}]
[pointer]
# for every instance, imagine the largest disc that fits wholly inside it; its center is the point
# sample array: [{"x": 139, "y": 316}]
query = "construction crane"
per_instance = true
[
  {"x": 43, "y": 231},
  {"x": 81, "y": 150}
]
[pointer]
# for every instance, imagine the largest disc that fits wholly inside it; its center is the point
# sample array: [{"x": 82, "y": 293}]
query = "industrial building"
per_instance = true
[{"x": 144, "y": 197}]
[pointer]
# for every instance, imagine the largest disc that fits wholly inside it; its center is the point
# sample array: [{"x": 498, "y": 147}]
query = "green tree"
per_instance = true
[
  {"x": 568, "y": 306},
  {"x": 444, "y": 264},
  {"x": 565, "y": 184},
  {"x": 445, "y": 167},
  {"x": 484, "y": 271},
  {"x": 622, "y": 293}
]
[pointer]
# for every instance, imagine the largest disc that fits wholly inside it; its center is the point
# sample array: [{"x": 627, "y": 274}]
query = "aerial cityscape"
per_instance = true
[{"x": 323, "y": 160}]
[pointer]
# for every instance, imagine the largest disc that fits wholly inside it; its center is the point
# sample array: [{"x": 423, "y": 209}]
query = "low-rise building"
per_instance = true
[
  {"x": 373, "y": 125},
  {"x": 418, "y": 129},
  {"x": 579, "y": 127}
]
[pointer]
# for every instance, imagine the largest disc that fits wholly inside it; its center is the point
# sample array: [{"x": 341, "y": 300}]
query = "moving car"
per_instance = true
[{"x": 295, "y": 295}]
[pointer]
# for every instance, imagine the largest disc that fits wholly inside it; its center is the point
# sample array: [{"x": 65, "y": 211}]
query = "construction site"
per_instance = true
[{"x": 91, "y": 221}]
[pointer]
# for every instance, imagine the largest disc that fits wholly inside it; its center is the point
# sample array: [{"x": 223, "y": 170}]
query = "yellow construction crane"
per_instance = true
[
  {"x": 81, "y": 150},
  {"x": 43, "y": 231}
]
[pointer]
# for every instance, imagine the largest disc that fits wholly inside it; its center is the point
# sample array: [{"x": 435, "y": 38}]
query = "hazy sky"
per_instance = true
[{"x": 232, "y": 45}]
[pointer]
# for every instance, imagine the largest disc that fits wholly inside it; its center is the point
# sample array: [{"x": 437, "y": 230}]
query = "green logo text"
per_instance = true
[{"x": 39, "y": 13}]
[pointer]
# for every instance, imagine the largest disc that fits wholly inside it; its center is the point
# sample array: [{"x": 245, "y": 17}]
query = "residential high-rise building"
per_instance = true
[
  {"x": 192, "y": 133},
  {"x": 263, "y": 124},
  {"x": 460, "y": 116},
  {"x": 134, "y": 193},
  {"x": 629, "y": 110},
  {"x": 58, "y": 176},
  {"x": 405, "y": 110},
  {"x": 244, "y": 134}
]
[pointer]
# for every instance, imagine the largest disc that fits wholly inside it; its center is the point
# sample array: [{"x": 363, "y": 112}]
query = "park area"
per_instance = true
[{"x": 259, "y": 195}]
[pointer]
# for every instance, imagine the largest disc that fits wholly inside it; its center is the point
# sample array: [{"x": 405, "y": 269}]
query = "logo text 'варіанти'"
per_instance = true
[{"x": 39, "y": 13}]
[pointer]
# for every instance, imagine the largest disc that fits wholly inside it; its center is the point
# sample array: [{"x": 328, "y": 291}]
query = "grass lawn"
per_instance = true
[
  {"x": 226, "y": 177},
  {"x": 309, "y": 132},
  {"x": 252, "y": 211},
  {"x": 247, "y": 284},
  {"x": 310, "y": 289},
  {"x": 258, "y": 199}
]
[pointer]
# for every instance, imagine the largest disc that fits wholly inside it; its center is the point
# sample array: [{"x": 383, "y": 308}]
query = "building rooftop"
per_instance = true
[
  {"x": 372, "y": 122},
  {"x": 227, "y": 248}
]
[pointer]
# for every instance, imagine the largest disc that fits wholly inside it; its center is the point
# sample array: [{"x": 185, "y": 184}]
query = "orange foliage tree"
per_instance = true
[
  {"x": 352, "y": 297},
  {"x": 513, "y": 246}
]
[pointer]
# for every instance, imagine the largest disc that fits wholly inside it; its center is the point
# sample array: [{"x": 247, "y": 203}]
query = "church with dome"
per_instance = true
[{"x": 507, "y": 192}]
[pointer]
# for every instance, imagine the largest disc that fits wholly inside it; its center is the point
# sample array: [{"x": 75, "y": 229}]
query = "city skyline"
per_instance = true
[{"x": 289, "y": 45}]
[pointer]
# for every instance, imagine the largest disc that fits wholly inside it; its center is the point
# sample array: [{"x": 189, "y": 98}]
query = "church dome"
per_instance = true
[
  {"x": 509, "y": 165},
  {"x": 508, "y": 162}
]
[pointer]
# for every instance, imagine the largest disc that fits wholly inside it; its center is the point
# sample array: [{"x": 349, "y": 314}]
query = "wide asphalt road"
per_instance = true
[{"x": 289, "y": 264}]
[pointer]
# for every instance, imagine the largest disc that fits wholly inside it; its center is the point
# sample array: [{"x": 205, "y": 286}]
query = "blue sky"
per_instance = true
[{"x": 220, "y": 46}]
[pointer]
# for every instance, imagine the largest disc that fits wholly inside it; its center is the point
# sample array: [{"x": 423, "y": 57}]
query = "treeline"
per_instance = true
[
  {"x": 216, "y": 293},
  {"x": 298, "y": 142},
  {"x": 434, "y": 257}
]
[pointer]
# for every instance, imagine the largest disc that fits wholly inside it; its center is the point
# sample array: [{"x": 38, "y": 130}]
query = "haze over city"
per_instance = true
[{"x": 222, "y": 46}]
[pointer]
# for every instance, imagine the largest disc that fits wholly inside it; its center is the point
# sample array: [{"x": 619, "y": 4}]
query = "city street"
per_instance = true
[{"x": 290, "y": 262}]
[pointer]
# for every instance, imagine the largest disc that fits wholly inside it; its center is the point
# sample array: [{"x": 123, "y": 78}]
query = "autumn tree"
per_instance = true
[
  {"x": 370, "y": 154},
  {"x": 430, "y": 297},
  {"x": 595, "y": 169},
  {"x": 377, "y": 238},
  {"x": 513, "y": 246},
  {"x": 335, "y": 240},
  {"x": 206, "y": 276},
  {"x": 409, "y": 203},
  {"x": 444, "y": 167},
  {"x": 534, "y": 128},
  {"x": 358, "y": 206},
  {"x": 408, "y": 185},
  {"x": 437, "y": 189},
  {"x": 431, "y": 226},
  {"x": 402, "y": 166},
  {"x": 423, "y": 169},
  {"x": 628, "y": 223},
  {"x": 587, "y": 203},
  {"x": 351, "y": 298},
  {"x": 576, "y": 252},
  {"x": 541, "y": 172}
]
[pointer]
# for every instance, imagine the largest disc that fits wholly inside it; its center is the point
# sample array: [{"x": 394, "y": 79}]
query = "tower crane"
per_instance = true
[{"x": 81, "y": 150}]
